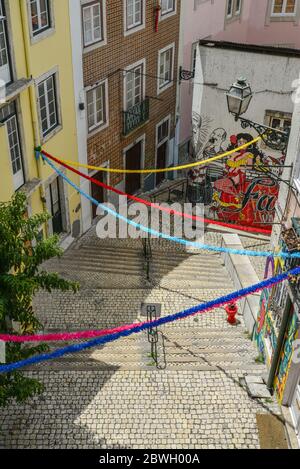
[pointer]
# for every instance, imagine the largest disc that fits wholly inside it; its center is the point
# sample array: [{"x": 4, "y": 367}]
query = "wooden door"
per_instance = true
[
  {"x": 161, "y": 161},
  {"x": 57, "y": 222},
  {"x": 133, "y": 162},
  {"x": 97, "y": 191}
]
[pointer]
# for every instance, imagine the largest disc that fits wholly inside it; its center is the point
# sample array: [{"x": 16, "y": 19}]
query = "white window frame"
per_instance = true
[
  {"x": 131, "y": 68},
  {"x": 34, "y": 36},
  {"x": 237, "y": 12},
  {"x": 169, "y": 13},
  {"x": 99, "y": 126},
  {"x": 41, "y": 29},
  {"x": 229, "y": 15},
  {"x": 167, "y": 85},
  {"x": 166, "y": 139},
  {"x": 99, "y": 43},
  {"x": 278, "y": 15},
  {"x": 54, "y": 72},
  {"x": 6, "y": 68},
  {"x": 137, "y": 27},
  {"x": 13, "y": 118}
]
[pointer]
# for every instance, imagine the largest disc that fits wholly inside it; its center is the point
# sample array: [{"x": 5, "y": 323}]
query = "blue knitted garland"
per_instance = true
[
  {"x": 232, "y": 297},
  {"x": 157, "y": 234}
]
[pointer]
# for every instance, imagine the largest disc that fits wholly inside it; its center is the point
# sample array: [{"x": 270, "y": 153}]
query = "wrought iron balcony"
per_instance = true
[{"x": 135, "y": 116}]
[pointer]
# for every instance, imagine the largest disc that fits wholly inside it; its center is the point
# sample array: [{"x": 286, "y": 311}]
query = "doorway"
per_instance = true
[
  {"x": 162, "y": 148},
  {"x": 98, "y": 191},
  {"x": 57, "y": 221},
  {"x": 133, "y": 161}
]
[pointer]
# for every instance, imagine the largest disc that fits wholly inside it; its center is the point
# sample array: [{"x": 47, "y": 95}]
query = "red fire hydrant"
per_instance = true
[{"x": 231, "y": 310}]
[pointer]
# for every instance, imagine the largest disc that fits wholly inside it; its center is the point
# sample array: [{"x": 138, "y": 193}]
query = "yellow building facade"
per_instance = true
[{"x": 37, "y": 108}]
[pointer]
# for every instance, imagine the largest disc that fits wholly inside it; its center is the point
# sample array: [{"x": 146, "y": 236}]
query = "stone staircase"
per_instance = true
[{"x": 113, "y": 287}]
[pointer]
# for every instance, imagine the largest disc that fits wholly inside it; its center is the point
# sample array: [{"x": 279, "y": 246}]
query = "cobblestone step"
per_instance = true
[
  {"x": 96, "y": 266},
  {"x": 90, "y": 366}
]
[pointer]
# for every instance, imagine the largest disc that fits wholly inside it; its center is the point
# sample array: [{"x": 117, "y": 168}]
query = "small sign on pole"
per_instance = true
[{"x": 152, "y": 310}]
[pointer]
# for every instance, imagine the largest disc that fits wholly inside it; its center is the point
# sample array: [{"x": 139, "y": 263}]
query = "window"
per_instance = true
[
  {"x": 5, "y": 74},
  {"x": 97, "y": 111},
  {"x": 284, "y": 7},
  {"x": 8, "y": 115},
  {"x": 163, "y": 131},
  {"x": 134, "y": 86},
  {"x": 229, "y": 8},
  {"x": 47, "y": 104},
  {"x": 92, "y": 18},
  {"x": 134, "y": 13},
  {"x": 233, "y": 9},
  {"x": 280, "y": 121},
  {"x": 165, "y": 68},
  {"x": 168, "y": 7},
  {"x": 238, "y": 4},
  {"x": 40, "y": 17}
]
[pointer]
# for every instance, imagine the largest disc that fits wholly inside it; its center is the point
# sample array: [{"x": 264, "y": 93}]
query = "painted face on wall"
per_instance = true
[
  {"x": 216, "y": 139},
  {"x": 241, "y": 141}
]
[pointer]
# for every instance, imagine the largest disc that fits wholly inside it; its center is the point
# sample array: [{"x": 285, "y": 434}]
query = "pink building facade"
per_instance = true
[{"x": 263, "y": 22}]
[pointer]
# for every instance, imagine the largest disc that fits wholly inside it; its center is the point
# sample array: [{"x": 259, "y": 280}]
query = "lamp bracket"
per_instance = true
[
  {"x": 273, "y": 138},
  {"x": 186, "y": 75}
]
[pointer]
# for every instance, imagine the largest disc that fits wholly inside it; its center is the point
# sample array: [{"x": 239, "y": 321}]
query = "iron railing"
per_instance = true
[
  {"x": 147, "y": 250},
  {"x": 135, "y": 116},
  {"x": 156, "y": 339},
  {"x": 178, "y": 188}
]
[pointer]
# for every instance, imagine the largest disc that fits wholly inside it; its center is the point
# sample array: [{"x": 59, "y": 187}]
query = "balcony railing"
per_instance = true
[{"x": 135, "y": 116}]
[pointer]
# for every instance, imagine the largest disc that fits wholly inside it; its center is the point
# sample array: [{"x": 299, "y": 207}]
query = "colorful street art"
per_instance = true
[
  {"x": 242, "y": 188},
  {"x": 272, "y": 306},
  {"x": 286, "y": 357},
  {"x": 260, "y": 327}
]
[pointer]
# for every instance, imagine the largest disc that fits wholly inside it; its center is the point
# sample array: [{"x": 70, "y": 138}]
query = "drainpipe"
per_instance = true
[
  {"x": 23, "y": 9},
  {"x": 280, "y": 343},
  {"x": 32, "y": 98}
]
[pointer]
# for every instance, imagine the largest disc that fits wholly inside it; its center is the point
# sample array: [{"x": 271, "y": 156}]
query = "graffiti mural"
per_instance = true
[
  {"x": 242, "y": 188},
  {"x": 286, "y": 357},
  {"x": 272, "y": 306},
  {"x": 259, "y": 333}
]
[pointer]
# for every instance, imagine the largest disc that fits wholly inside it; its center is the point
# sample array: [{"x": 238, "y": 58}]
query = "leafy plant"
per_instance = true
[{"x": 21, "y": 254}]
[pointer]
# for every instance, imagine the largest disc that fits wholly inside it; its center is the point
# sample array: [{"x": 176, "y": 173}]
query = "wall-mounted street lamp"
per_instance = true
[{"x": 239, "y": 97}]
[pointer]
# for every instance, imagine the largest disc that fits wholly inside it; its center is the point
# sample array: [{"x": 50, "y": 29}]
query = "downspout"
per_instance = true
[
  {"x": 280, "y": 343},
  {"x": 36, "y": 134},
  {"x": 32, "y": 99}
]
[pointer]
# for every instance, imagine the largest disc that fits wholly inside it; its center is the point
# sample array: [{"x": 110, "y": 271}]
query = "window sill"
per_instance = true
[
  {"x": 95, "y": 46},
  {"x": 51, "y": 134},
  {"x": 16, "y": 87},
  {"x": 97, "y": 130},
  {"x": 34, "y": 39},
  {"x": 167, "y": 15},
  {"x": 30, "y": 187},
  {"x": 166, "y": 87},
  {"x": 133, "y": 30},
  {"x": 231, "y": 19},
  {"x": 280, "y": 18}
]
